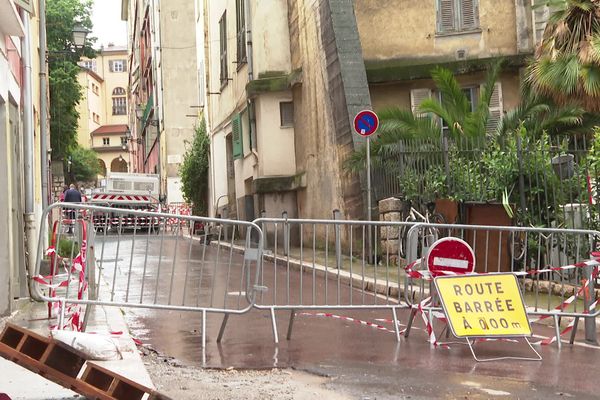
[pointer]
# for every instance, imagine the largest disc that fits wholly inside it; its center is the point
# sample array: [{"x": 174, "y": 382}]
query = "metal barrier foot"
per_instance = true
[
  {"x": 274, "y": 326},
  {"x": 396, "y": 327},
  {"x": 222, "y": 330},
  {"x": 574, "y": 331},
  {"x": 411, "y": 318},
  {"x": 203, "y": 330},
  {"x": 557, "y": 330},
  {"x": 291, "y": 324}
]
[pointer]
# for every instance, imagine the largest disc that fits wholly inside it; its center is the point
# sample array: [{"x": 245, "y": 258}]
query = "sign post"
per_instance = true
[{"x": 366, "y": 123}]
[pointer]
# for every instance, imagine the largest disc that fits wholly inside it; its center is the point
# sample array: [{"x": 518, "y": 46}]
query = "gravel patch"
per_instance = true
[{"x": 184, "y": 382}]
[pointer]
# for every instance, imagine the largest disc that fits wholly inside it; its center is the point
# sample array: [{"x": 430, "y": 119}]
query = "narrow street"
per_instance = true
[
  {"x": 402, "y": 199},
  {"x": 325, "y": 353}
]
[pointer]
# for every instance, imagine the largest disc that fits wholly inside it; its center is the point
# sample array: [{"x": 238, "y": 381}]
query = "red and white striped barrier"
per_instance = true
[{"x": 75, "y": 275}]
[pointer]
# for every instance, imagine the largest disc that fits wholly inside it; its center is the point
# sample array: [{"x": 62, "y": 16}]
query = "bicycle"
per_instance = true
[{"x": 425, "y": 238}]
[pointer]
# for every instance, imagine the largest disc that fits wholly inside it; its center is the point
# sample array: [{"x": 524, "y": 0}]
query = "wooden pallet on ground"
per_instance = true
[{"x": 63, "y": 365}]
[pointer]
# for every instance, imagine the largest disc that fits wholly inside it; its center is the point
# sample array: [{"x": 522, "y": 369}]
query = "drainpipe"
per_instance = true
[
  {"x": 250, "y": 58},
  {"x": 43, "y": 104},
  {"x": 28, "y": 144}
]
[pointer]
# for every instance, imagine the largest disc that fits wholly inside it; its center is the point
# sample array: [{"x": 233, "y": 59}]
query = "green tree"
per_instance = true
[
  {"x": 84, "y": 165},
  {"x": 194, "y": 171},
  {"x": 567, "y": 61},
  {"x": 65, "y": 92}
]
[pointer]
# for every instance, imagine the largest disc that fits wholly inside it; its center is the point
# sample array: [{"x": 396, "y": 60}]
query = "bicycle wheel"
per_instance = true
[
  {"x": 403, "y": 242},
  {"x": 517, "y": 246},
  {"x": 437, "y": 218}
]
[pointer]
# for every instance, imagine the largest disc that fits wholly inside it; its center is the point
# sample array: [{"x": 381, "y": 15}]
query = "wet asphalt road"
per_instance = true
[{"x": 365, "y": 362}]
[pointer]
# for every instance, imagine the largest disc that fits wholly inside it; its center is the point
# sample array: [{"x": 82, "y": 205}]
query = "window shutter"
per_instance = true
[
  {"x": 238, "y": 144},
  {"x": 416, "y": 98},
  {"x": 469, "y": 14},
  {"x": 26, "y": 5},
  {"x": 446, "y": 16},
  {"x": 111, "y": 67},
  {"x": 496, "y": 108}
]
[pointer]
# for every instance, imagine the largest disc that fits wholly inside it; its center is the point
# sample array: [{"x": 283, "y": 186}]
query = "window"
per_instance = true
[
  {"x": 457, "y": 15},
  {"x": 96, "y": 118},
  {"x": 119, "y": 101},
  {"x": 223, "y": 49},
  {"x": 95, "y": 88},
  {"x": 119, "y": 106},
  {"x": 89, "y": 64},
  {"x": 123, "y": 140},
  {"x": 117, "y": 66},
  {"x": 417, "y": 96},
  {"x": 106, "y": 141},
  {"x": 286, "y": 113},
  {"x": 471, "y": 93},
  {"x": 241, "y": 31}
]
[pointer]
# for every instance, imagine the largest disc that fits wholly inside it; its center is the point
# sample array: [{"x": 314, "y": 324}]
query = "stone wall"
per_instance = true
[
  {"x": 390, "y": 209},
  {"x": 325, "y": 46}
]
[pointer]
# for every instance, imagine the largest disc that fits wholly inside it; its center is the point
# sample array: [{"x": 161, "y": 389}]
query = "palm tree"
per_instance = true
[
  {"x": 539, "y": 114},
  {"x": 567, "y": 61},
  {"x": 453, "y": 107}
]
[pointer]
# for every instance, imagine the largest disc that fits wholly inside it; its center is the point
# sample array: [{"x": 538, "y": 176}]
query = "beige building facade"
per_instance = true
[
  {"x": 163, "y": 87},
  {"x": 21, "y": 137},
  {"x": 252, "y": 130},
  {"x": 322, "y": 62},
  {"x": 103, "y": 121}
]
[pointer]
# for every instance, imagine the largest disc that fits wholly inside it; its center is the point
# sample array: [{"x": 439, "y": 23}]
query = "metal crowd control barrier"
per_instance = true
[
  {"x": 556, "y": 268},
  {"x": 141, "y": 264},
  {"x": 323, "y": 265}
]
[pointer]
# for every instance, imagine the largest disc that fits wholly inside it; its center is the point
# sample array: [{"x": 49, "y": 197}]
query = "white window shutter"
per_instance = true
[
  {"x": 469, "y": 17},
  {"x": 416, "y": 98},
  {"x": 496, "y": 108},
  {"x": 446, "y": 15}
]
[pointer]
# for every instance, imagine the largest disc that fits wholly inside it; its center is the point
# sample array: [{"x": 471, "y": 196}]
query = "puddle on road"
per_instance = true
[{"x": 491, "y": 392}]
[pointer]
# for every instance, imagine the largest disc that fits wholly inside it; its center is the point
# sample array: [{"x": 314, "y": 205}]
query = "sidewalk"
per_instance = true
[{"x": 22, "y": 384}]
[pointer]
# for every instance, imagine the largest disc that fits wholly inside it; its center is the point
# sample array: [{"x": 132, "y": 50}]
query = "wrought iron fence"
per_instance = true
[{"x": 539, "y": 181}]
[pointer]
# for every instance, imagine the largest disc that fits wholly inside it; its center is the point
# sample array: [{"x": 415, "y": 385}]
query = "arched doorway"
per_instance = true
[
  {"x": 118, "y": 165},
  {"x": 102, "y": 167}
]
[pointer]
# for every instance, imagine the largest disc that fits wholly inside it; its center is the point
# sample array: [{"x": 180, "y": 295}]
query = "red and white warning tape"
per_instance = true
[
  {"x": 426, "y": 275},
  {"x": 349, "y": 319}
]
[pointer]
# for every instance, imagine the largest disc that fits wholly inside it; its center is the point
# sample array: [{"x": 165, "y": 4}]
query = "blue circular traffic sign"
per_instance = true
[{"x": 366, "y": 123}]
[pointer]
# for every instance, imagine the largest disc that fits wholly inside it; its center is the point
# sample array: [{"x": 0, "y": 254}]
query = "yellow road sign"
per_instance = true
[{"x": 488, "y": 305}]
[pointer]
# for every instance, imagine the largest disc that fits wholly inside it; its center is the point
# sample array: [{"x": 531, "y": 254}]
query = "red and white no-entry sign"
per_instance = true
[{"x": 452, "y": 255}]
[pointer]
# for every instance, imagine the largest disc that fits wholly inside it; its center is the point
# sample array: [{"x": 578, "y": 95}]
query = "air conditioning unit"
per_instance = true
[{"x": 461, "y": 54}]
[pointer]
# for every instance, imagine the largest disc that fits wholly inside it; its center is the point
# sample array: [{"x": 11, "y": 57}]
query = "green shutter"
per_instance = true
[{"x": 238, "y": 145}]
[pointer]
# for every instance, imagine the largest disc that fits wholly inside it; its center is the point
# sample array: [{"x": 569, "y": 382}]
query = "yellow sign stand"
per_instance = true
[{"x": 484, "y": 306}]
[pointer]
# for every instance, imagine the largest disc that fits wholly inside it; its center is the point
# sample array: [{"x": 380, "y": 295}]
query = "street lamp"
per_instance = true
[
  {"x": 139, "y": 112},
  {"x": 79, "y": 35}
]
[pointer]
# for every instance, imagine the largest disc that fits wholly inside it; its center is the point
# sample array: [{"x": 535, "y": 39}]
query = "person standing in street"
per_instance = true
[{"x": 72, "y": 195}]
